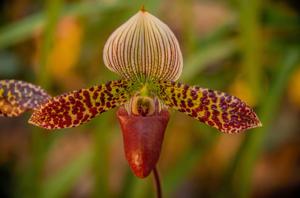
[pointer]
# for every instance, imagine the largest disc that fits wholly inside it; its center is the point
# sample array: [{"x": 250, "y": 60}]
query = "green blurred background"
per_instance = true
[{"x": 250, "y": 49}]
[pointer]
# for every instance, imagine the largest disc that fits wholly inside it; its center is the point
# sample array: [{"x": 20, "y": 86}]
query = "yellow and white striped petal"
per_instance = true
[{"x": 144, "y": 48}]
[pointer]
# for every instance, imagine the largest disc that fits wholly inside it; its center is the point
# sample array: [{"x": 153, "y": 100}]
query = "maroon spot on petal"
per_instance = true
[
  {"x": 182, "y": 104},
  {"x": 210, "y": 123},
  {"x": 190, "y": 103},
  {"x": 108, "y": 104}
]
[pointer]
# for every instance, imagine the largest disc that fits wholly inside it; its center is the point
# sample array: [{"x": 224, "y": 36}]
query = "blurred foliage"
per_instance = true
[{"x": 248, "y": 48}]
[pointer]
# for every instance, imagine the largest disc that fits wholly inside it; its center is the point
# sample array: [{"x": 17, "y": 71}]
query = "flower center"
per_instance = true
[{"x": 143, "y": 105}]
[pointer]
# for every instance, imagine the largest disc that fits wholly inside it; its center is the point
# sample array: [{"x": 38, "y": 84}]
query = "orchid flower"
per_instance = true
[{"x": 146, "y": 55}]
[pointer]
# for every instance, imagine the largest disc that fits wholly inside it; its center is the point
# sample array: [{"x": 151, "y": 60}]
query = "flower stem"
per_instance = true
[{"x": 157, "y": 183}]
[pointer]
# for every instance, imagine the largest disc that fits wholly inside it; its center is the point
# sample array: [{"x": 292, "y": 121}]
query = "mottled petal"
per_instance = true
[
  {"x": 225, "y": 112},
  {"x": 17, "y": 96},
  {"x": 78, "y": 107},
  {"x": 143, "y": 47},
  {"x": 9, "y": 110}
]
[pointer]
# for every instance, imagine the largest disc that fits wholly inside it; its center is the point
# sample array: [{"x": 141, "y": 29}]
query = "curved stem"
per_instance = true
[{"x": 157, "y": 183}]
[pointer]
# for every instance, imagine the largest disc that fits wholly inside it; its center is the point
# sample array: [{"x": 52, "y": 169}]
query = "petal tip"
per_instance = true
[
  {"x": 35, "y": 120},
  {"x": 256, "y": 123},
  {"x": 143, "y": 8}
]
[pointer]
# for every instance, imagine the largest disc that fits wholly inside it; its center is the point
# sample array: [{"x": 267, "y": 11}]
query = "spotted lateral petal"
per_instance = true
[
  {"x": 17, "y": 96},
  {"x": 78, "y": 107},
  {"x": 225, "y": 112}
]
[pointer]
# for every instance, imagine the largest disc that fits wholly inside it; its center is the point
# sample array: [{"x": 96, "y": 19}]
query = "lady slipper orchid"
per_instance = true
[{"x": 147, "y": 56}]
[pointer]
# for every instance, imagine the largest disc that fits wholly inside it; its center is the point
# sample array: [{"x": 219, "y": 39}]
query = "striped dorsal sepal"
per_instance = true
[
  {"x": 78, "y": 107},
  {"x": 225, "y": 112},
  {"x": 143, "y": 48},
  {"x": 16, "y": 97}
]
